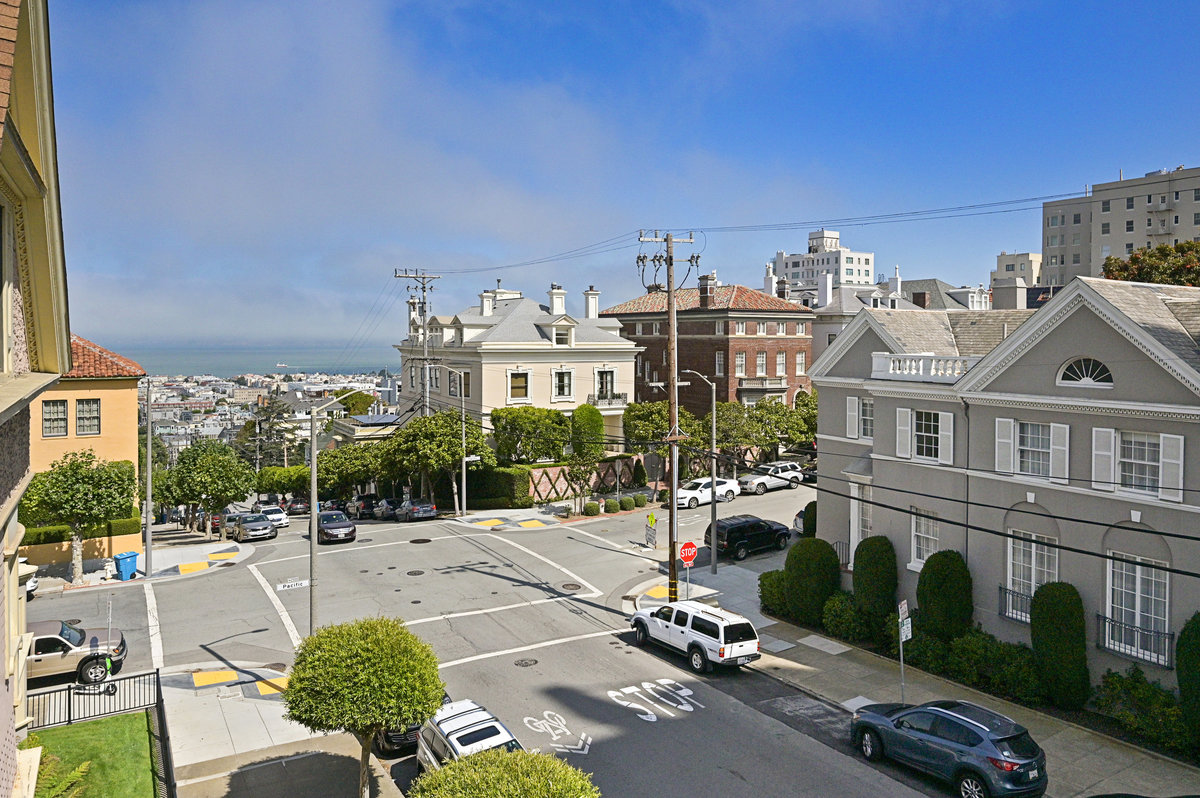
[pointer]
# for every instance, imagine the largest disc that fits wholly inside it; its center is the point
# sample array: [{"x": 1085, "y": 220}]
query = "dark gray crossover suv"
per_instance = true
[{"x": 983, "y": 753}]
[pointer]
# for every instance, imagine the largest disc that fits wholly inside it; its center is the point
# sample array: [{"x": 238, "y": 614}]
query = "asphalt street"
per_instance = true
[{"x": 529, "y": 623}]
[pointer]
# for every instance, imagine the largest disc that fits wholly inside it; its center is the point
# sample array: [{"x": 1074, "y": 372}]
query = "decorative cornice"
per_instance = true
[
  {"x": 17, "y": 207},
  {"x": 923, "y": 392},
  {"x": 1092, "y": 407}
]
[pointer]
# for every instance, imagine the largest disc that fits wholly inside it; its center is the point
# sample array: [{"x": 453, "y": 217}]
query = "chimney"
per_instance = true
[
  {"x": 769, "y": 278},
  {"x": 591, "y": 303},
  {"x": 824, "y": 289},
  {"x": 920, "y": 299},
  {"x": 781, "y": 288},
  {"x": 706, "y": 289},
  {"x": 487, "y": 301},
  {"x": 654, "y": 288},
  {"x": 1009, "y": 293},
  {"x": 894, "y": 284},
  {"x": 558, "y": 299}
]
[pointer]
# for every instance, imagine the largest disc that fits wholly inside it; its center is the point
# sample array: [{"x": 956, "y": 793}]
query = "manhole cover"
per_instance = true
[
  {"x": 416, "y": 601},
  {"x": 419, "y": 540},
  {"x": 398, "y": 590},
  {"x": 364, "y": 540},
  {"x": 391, "y": 567},
  {"x": 571, "y": 586},
  {"x": 363, "y": 571},
  {"x": 277, "y": 666},
  {"x": 411, "y": 573},
  {"x": 525, "y": 663}
]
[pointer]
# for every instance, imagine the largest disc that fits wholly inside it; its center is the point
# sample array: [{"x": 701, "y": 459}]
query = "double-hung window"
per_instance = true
[
  {"x": 518, "y": 386},
  {"x": 1137, "y": 608},
  {"x": 719, "y": 365},
  {"x": 739, "y": 328},
  {"x": 781, "y": 364},
  {"x": 1032, "y": 562},
  {"x": 760, "y": 364},
  {"x": 1138, "y": 456},
  {"x": 860, "y": 516},
  {"x": 860, "y": 417},
  {"x": 1138, "y": 462},
  {"x": 54, "y": 418},
  {"x": 564, "y": 384},
  {"x": 87, "y": 416},
  {"x": 739, "y": 364},
  {"x": 1032, "y": 449},
  {"x": 924, "y": 535},
  {"x": 801, "y": 364},
  {"x": 926, "y": 433}
]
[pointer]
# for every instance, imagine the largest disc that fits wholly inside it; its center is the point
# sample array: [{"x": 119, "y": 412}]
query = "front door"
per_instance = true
[
  {"x": 606, "y": 384},
  {"x": 48, "y": 656},
  {"x": 679, "y": 630}
]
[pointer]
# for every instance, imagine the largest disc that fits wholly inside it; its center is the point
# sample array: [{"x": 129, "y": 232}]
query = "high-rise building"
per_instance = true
[
  {"x": 1026, "y": 265},
  {"x": 825, "y": 255},
  {"x": 1117, "y": 218}
]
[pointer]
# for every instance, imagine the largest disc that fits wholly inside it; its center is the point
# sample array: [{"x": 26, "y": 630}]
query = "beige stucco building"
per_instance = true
[
  {"x": 1026, "y": 265},
  {"x": 513, "y": 351},
  {"x": 94, "y": 406}
]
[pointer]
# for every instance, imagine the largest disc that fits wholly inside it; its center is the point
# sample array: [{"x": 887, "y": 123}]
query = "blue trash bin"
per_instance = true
[{"x": 126, "y": 563}]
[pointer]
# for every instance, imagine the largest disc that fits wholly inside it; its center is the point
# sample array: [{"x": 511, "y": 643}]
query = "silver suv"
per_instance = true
[
  {"x": 708, "y": 635},
  {"x": 768, "y": 476},
  {"x": 459, "y": 729}
]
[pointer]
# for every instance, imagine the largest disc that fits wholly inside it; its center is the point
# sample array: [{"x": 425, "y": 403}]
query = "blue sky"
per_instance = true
[{"x": 245, "y": 171}]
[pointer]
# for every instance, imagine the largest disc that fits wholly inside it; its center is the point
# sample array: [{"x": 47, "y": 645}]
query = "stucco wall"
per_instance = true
[{"x": 118, "y": 438}]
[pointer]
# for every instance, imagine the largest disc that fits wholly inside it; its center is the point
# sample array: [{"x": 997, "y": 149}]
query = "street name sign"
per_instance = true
[
  {"x": 292, "y": 584},
  {"x": 472, "y": 458},
  {"x": 687, "y": 553}
]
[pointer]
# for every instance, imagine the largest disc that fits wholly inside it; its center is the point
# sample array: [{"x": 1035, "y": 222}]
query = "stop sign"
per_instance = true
[{"x": 687, "y": 553}]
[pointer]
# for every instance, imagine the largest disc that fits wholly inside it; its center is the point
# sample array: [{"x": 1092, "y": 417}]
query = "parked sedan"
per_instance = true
[
  {"x": 385, "y": 509},
  {"x": 699, "y": 491},
  {"x": 981, "y": 752},
  {"x": 415, "y": 510},
  {"x": 251, "y": 526},
  {"x": 229, "y": 524},
  {"x": 334, "y": 526},
  {"x": 62, "y": 647},
  {"x": 276, "y": 515},
  {"x": 297, "y": 507}
]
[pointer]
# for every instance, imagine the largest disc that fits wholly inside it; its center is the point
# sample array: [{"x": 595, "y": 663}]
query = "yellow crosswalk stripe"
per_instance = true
[
  {"x": 488, "y": 522},
  {"x": 658, "y": 592},
  {"x": 530, "y": 523},
  {"x": 269, "y": 687},
  {"x": 223, "y": 555},
  {"x": 205, "y": 678},
  {"x": 192, "y": 567}
]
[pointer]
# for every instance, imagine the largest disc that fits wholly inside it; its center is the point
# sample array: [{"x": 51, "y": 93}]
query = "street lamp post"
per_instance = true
[
  {"x": 149, "y": 560},
  {"x": 712, "y": 546},
  {"x": 462, "y": 398},
  {"x": 313, "y": 507}
]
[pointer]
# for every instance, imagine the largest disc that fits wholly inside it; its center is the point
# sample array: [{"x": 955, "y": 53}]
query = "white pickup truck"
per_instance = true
[{"x": 708, "y": 635}]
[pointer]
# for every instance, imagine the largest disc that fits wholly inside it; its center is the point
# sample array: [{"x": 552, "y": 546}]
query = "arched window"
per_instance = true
[{"x": 1086, "y": 371}]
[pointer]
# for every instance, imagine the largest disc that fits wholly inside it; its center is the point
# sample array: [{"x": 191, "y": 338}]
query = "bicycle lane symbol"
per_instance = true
[{"x": 555, "y": 725}]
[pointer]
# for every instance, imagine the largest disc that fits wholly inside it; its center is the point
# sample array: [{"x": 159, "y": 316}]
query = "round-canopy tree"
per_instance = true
[
  {"x": 362, "y": 677},
  {"x": 502, "y": 774}
]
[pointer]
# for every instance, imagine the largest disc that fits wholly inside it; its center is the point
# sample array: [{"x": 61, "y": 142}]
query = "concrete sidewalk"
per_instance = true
[{"x": 1081, "y": 762}]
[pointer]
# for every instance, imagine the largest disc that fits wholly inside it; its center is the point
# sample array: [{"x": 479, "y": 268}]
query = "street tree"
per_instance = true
[
  {"x": 363, "y": 677},
  {"x": 266, "y": 439},
  {"x": 356, "y": 404},
  {"x": 81, "y": 491},
  {"x": 211, "y": 475},
  {"x": 646, "y": 425},
  {"x": 775, "y": 424},
  {"x": 1172, "y": 265},
  {"x": 506, "y": 774},
  {"x": 528, "y": 434},
  {"x": 161, "y": 455},
  {"x": 587, "y": 431},
  {"x": 433, "y": 444},
  {"x": 580, "y": 474},
  {"x": 340, "y": 471},
  {"x": 735, "y": 431}
]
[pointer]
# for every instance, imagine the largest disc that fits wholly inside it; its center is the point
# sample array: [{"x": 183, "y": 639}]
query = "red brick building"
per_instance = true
[{"x": 752, "y": 345}]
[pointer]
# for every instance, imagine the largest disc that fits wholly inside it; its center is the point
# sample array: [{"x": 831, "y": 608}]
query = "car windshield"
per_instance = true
[
  {"x": 72, "y": 634},
  {"x": 250, "y": 519},
  {"x": 333, "y": 518},
  {"x": 739, "y": 633},
  {"x": 271, "y": 510},
  {"x": 1021, "y": 746},
  {"x": 696, "y": 485},
  {"x": 512, "y": 745},
  {"x": 762, "y": 470}
]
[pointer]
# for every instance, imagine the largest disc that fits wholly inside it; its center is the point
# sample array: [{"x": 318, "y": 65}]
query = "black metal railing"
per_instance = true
[
  {"x": 842, "y": 547},
  {"x": 164, "y": 763},
  {"x": 1135, "y": 642},
  {"x": 1014, "y": 604},
  {"x": 608, "y": 399}
]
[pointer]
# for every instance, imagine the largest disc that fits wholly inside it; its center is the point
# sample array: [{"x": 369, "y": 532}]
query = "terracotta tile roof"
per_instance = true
[
  {"x": 91, "y": 361},
  {"x": 9, "y": 12},
  {"x": 727, "y": 297}
]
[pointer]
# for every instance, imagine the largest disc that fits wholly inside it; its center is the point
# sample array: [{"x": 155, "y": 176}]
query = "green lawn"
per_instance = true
[{"x": 118, "y": 748}]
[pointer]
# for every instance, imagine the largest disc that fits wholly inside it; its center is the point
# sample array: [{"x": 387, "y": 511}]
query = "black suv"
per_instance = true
[{"x": 742, "y": 534}]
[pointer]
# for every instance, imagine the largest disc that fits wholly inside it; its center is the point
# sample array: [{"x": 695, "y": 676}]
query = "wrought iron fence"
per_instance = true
[
  {"x": 1014, "y": 604},
  {"x": 164, "y": 763},
  {"x": 1135, "y": 642}
]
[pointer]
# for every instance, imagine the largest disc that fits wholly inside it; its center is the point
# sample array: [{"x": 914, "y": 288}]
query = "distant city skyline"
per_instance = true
[
  {"x": 237, "y": 172},
  {"x": 229, "y": 362}
]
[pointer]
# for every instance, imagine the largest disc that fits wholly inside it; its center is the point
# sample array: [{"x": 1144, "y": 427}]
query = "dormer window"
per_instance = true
[
  {"x": 562, "y": 336},
  {"x": 1086, "y": 372}
]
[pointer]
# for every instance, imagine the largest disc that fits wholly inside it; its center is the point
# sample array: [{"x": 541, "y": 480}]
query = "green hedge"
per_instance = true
[
  {"x": 772, "y": 592},
  {"x": 62, "y": 533},
  {"x": 639, "y": 500},
  {"x": 639, "y": 475},
  {"x": 875, "y": 579},
  {"x": 46, "y": 534},
  {"x": 810, "y": 519},
  {"x": 125, "y": 526},
  {"x": 612, "y": 506},
  {"x": 664, "y": 495},
  {"x": 1143, "y": 707},
  {"x": 1187, "y": 671},
  {"x": 1058, "y": 633},
  {"x": 627, "y": 503},
  {"x": 813, "y": 573},
  {"x": 843, "y": 620},
  {"x": 944, "y": 595},
  {"x": 591, "y": 508}
]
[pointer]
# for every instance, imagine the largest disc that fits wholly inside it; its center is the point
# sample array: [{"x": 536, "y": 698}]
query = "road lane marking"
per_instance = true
[
  {"x": 293, "y": 635},
  {"x": 518, "y": 605},
  {"x": 152, "y": 627},
  {"x": 560, "y": 641},
  {"x": 626, "y": 549}
]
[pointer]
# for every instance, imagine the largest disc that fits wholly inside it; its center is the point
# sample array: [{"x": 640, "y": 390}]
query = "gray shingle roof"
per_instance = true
[
  {"x": 1168, "y": 313},
  {"x": 849, "y": 299},
  {"x": 935, "y": 290},
  {"x": 518, "y": 320},
  {"x": 968, "y": 333}
]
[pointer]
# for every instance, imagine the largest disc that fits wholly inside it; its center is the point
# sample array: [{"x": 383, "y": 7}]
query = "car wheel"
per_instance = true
[
  {"x": 781, "y": 541},
  {"x": 274, "y": 534},
  {"x": 868, "y": 743},
  {"x": 760, "y": 488},
  {"x": 640, "y": 635},
  {"x": 740, "y": 552},
  {"x": 693, "y": 503},
  {"x": 728, "y": 495},
  {"x": 972, "y": 785},
  {"x": 697, "y": 660},
  {"x": 793, "y": 483},
  {"x": 381, "y": 745},
  {"x": 92, "y": 671}
]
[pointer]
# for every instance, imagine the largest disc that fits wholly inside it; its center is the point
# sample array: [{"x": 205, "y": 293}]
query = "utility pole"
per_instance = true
[
  {"x": 425, "y": 281},
  {"x": 674, "y": 435}
]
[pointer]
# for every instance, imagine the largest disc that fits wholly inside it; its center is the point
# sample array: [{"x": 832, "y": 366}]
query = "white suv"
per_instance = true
[
  {"x": 780, "y": 474},
  {"x": 459, "y": 729},
  {"x": 708, "y": 635}
]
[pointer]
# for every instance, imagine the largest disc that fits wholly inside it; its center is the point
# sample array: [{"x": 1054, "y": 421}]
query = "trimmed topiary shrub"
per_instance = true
[
  {"x": 664, "y": 495},
  {"x": 125, "y": 526},
  {"x": 813, "y": 573},
  {"x": 45, "y": 534},
  {"x": 1187, "y": 671},
  {"x": 1058, "y": 633},
  {"x": 591, "y": 508},
  {"x": 810, "y": 519},
  {"x": 772, "y": 593},
  {"x": 1144, "y": 708},
  {"x": 612, "y": 506},
  {"x": 627, "y": 503},
  {"x": 843, "y": 620},
  {"x": 875, "y": 579},
  {"x": 944, "y": 595},
  {"x": 639, "y": 500},
  {"x": 639, "y": 475}
]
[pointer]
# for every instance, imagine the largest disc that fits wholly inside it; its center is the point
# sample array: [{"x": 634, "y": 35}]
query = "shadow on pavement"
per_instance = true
[{"x": 308, "y": 774}]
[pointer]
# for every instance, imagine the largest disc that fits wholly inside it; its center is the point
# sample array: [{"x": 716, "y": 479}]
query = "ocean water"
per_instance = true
[{"x": 232, "y": 361}]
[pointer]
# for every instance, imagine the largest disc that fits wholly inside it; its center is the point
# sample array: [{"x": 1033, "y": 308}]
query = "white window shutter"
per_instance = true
[
  {"x": 1103, "y": 458},
  {"x": 1170, "y": 475},
  {"x": 946, "y": 438},
  {"x": 851, "y": 416},
  {"x": 904, "y": 432},
  {"x": 1005, "y": 451},
  {"x": 1060, "y": 460}
]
